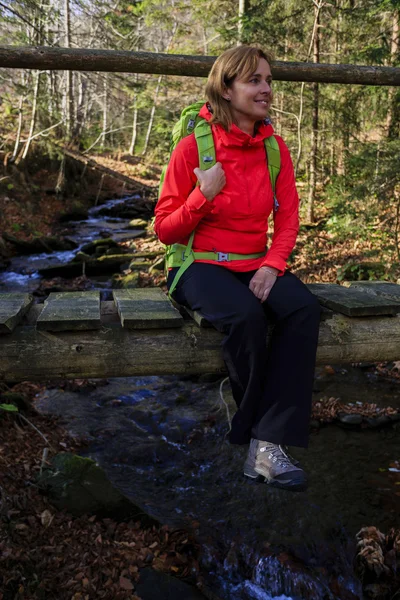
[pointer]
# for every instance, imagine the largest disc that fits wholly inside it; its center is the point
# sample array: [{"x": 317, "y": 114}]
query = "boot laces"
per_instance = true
[{"x": 278, "y": 455}]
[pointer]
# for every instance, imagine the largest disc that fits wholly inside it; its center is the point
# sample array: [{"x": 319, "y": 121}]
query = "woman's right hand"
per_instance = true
[{"x": 211, "y": 181}]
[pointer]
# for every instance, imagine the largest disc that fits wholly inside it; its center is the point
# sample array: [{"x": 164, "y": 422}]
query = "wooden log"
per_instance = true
[
  {"x": 112, "y": 351},
  {"x": 13, "y": 307},
  {"x": 66, "y": 311},
  {"x": 118, "y": 61},
  {"x": 92, "y": 164}
]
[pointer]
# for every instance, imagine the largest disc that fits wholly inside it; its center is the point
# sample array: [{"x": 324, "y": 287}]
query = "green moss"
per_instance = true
[{"x": 339, "y": 326}]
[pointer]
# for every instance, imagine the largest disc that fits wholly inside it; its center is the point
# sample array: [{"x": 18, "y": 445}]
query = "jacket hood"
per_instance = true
[{"x": 235, "y": 136}]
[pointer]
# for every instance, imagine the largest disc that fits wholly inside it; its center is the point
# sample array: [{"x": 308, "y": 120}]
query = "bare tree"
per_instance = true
[{"x": 315, "y": 124}]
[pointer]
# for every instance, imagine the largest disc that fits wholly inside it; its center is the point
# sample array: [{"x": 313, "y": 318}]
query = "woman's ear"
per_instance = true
[{"x": 226, "y": 96}]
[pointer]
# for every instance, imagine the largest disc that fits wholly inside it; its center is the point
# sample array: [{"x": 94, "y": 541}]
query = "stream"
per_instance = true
[{"x": 161, "y": 441}]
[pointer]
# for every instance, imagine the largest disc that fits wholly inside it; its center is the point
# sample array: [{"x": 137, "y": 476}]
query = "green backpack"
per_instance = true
[{"x": 178, "y": 255}]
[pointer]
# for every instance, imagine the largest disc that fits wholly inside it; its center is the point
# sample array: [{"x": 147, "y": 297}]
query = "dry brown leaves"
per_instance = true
[
  {"x": 377, "y": 562},
  {"x": 45, "y": 553},
  {"x": 327, "y": 410}
]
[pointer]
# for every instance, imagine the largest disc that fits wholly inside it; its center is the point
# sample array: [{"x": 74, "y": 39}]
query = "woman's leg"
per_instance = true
[
  {"x": 284, "y": 408},
  {"x": 226, "y": 301}
]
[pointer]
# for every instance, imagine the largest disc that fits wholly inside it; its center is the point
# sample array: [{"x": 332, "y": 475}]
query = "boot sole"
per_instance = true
[{"x": 292, "y": 487}]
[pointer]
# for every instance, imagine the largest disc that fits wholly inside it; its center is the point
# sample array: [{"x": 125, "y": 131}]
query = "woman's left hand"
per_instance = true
[{"x": 262, "y": 282}]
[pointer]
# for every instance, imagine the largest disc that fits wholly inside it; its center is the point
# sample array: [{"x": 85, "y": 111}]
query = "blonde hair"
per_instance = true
[{"x": 237, "y": 62}]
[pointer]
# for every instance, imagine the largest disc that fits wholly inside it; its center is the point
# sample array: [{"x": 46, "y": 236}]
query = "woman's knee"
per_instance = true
[{"x": 251, "y": 316}]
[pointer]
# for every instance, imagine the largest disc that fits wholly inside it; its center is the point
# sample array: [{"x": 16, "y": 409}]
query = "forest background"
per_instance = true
[{"x": 344, "y": 139}]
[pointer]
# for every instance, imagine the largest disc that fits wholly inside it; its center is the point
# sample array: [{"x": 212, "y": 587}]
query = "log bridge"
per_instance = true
[{"x": 140, "y": 332}]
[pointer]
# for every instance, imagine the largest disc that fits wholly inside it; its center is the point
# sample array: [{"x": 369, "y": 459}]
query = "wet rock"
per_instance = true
[
  {"x": 158, "y": 265},
  {"x": 40, "y": 244},
  {"x": 4, "y": 249},
  {"x": 99, "y": 266},
  {"x": 157, "y": 585},
  {"x": 80, "y": 486},
  {"x": 76, "y": 213},
  {"x": 137, "y": 224},
  {"x": 104, "y": 244},
  {"x": 350, "y": 419},
  {"x": 126, "y": 281}
]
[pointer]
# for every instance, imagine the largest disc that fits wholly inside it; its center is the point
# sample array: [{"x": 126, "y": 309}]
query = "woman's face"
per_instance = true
[{"x": 250, "y": 98}]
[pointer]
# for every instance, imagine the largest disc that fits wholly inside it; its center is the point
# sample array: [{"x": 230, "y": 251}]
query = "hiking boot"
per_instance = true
[{"x": 271, "y": 463}]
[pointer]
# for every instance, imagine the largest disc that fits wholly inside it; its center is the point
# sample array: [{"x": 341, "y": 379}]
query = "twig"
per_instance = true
[
  {"x": 44, "y": 459},
  {"x": 228, "y": 414},
  {"x": 35, "y": 428}
]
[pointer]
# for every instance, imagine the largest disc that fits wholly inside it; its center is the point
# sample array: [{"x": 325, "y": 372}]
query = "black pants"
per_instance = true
[{"x": 272, "y": 389}]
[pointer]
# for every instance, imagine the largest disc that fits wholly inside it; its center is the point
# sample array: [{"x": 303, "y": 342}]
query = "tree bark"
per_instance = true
[
  {"x": 314, "y": 132},
  {"x": 393, "y": 117},
  {"x": 118, "y": 61},
  {"x": 34, "y": 114},
  {"x": 29, "y": 354},
  {"x": 69, "y": 93},
  {"x": 243, "y": 8}
]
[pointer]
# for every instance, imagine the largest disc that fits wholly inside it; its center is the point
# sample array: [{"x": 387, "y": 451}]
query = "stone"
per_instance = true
[
  {"x": 77, "y": 212},
  {"x": 79, "y": 486},
  {"x": 104, "y": 244},
  {"x": 350, "y": 419},
  {"x": 137, "y": 224},
  {"x": 126, "y": 281}
]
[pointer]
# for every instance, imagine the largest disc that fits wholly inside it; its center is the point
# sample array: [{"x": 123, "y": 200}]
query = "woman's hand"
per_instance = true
[
  {"x": 262, "y": 282},
  {"x": 211, "y": 181}
]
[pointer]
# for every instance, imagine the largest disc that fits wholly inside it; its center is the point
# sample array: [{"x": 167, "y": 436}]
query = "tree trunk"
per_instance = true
[
  {"x": 105, "y": 111},
  {"x": 34, "y": 114},
  {"x": 18, "y": 136},
  {"x": 134, "y": 126},
  {"x": 314, "y": 132},
  {"x": 393, "y": 116},
  {"x": 243, "y": 8},
  {"x": 153, "y": 110},
  {"x": 69, "y": 93}
]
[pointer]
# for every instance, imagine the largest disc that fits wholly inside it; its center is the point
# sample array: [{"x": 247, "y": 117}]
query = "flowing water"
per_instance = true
[{"x": 161, "y": 440}]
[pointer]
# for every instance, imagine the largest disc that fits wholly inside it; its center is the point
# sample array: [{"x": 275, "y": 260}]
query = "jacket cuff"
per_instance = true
[
  {"x": 197, "y": 202},
  {"x": 276, "y": 263}
]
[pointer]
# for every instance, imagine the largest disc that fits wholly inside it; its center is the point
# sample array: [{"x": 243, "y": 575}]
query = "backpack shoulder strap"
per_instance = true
[
  {"x": 205, "y": 145},
  {"x": 273, "y": 158}
]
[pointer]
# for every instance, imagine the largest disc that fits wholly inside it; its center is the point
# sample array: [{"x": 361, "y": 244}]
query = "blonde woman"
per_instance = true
[{"x": 241, "y": 285}]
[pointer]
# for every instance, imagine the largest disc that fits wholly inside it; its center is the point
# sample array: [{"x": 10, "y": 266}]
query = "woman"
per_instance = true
[{"x": 228, "y": 208}]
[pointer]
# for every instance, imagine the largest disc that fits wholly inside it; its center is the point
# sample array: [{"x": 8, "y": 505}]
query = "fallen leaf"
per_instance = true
[
  {"x": 46, "y": 518},
  {"x": 125, "y": 583}
]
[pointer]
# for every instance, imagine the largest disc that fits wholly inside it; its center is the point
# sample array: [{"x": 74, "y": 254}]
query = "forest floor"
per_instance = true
[
  {"x": 29, "y": 208},
  {"x": 42, "y": 549}
]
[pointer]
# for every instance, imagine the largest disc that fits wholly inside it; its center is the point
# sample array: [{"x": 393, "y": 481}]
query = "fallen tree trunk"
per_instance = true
[
  {"x": 118, "y": 61},
  {"x": 92, "y": 164},
  {"x": 112, "y": 351}
]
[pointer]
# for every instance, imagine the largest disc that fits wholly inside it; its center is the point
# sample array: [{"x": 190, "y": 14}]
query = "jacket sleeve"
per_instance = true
[
  {"x": 181, "y": 204},
  {"x": 286, "y": 218}
]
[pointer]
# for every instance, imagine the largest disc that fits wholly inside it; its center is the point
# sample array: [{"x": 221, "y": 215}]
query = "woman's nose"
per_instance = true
[{"x": 266, "y": 88}]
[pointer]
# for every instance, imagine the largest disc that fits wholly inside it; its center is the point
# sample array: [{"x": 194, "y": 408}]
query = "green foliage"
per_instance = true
[
  {"x": 362, "y": 271},
  {"x": 9, "y": 408}
]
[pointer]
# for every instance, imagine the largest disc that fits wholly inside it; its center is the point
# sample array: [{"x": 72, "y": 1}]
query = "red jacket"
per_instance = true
[{"x": 236, "y": 220}]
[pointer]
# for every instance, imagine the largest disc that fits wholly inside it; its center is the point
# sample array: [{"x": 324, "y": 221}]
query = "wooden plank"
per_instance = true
[
  {"x": 146, "y": 308},
  {"x": 352, "y": 302},
  {"x": 380, "y": 289},
  {"x": 65, "y": 311},
  {"x": 13, "y": 306},
  {"x": 34, "y": 355}
]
